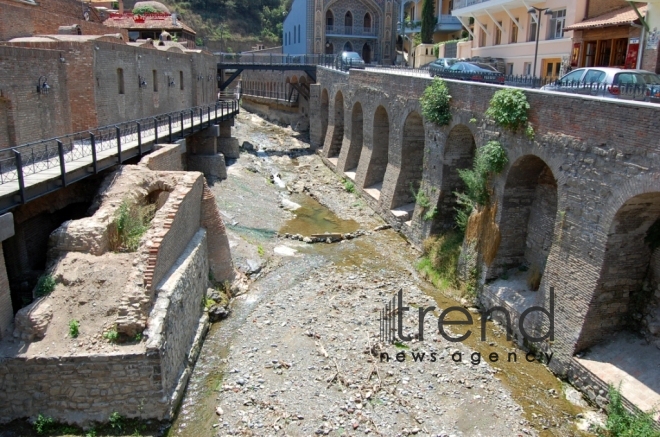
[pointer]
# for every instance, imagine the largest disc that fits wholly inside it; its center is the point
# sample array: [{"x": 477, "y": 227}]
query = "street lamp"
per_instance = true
[{"x": 537, "y": 13}]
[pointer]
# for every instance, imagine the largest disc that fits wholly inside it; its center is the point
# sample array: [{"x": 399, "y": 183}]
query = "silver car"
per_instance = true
[{"x": 607, "y": 82}]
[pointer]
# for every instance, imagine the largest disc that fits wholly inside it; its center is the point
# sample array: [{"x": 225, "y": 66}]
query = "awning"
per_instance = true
[{"x": 618, "y": 17}]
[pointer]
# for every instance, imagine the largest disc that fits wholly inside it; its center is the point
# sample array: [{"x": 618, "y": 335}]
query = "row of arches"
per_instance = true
[
  {"x": 348, "y": 19},
  {"x": 529, "y": 214}
]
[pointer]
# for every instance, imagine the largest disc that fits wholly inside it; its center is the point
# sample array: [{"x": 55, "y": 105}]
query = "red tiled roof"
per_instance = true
[
  {"x": 151, "y": 21},
  {"x": 617, "y": 17}
]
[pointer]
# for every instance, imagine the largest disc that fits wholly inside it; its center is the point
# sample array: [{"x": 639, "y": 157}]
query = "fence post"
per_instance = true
[
  {"x": 192, "y": 122},
  {"x": 60, "y": 150},
  {"x": 118, "y": 131},
  {"x": 139, "y": 132},
  {"x": 182, "y": 131},
  {"x": 19, "y": 175},
  {"x": 92, "y": 140},
  {"x": 155, "y": 131},
  {"x": 169, "y": 120}
]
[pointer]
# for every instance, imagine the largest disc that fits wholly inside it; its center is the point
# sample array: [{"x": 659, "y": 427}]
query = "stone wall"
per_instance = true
[
  {"x": 178, "y": 308},
  {"x": 84, "y": 388},
  {"x": 166, "y": 157},
  {"x": 578, "y": 198}
]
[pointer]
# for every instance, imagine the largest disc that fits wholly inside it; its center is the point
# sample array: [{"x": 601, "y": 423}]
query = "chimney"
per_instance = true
[{"x": 121, "y": 7}]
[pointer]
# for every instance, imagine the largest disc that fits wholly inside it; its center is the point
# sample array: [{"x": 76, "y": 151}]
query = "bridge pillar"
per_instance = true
[
  {"x": 6, "y": 311},
  {"x": 203, "y": 156},
  {"x": 316, "y": 134},
  {"x": 227, "y": 145}
]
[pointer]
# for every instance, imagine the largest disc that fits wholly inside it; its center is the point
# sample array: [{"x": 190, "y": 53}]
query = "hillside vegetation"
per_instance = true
[{"x": 233, "y": 20}]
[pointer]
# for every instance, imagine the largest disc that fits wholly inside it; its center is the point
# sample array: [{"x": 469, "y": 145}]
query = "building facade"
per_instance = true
[
  {"x": 331, "y": 26},
  {"x": 506, "y": 29}
]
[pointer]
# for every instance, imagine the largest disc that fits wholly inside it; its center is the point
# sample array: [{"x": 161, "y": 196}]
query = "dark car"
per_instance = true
[
  {"x": 347, "y": 60},
  {"x": 440, "y": 65},
  {"x": 476, "y": 71}
]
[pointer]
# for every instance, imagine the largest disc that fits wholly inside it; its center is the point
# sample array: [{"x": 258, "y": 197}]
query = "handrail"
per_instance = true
[{"x": 19, "y": 163}]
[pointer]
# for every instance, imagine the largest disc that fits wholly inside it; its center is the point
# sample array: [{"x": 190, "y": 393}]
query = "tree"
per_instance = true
[{"x": 428, "y": 21}]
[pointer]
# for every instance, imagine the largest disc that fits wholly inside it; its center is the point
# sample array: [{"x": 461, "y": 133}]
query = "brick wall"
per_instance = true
[
  {"x": 567, "y": 197},
  {"x": 166, "y": 157},
  {"x": 26, "y": 115},
  {"x": 20, "y": 20}
]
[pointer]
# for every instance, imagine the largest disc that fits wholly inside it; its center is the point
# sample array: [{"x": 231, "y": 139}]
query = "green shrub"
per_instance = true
[
  {"x": 130, "y": 223},
  {"x": 349, "y": 185},
  {"x": 45, "y": 285},
  {"x": 622, "y": 423},
  {"x": 435, "y": 102},
  {"x": 421, "y": 198},
  {"x": 116, "y": 421},
  {"x": 508, "y": 108},
  {"x": 440, "y": 259},
  {"x": 489, "y": 160},
  {"x": 74, "y": 326},
  {"x": 430, "y": 214},
  {"x": 111, "y": 335},
  {"x": 43, "y": 424},
  {"x": 145, "y": 10}
]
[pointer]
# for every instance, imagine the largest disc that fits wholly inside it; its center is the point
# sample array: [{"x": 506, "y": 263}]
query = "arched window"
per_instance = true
[
  {"x": 348, "y": 23},
  {"x": 348, "y": 47},
  {"x": 367, "y": 22},
  {"x": 329, "y": 18}
]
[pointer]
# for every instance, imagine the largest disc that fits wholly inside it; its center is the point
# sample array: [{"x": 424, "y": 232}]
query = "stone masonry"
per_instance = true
[{"x": 577, "y": 200}]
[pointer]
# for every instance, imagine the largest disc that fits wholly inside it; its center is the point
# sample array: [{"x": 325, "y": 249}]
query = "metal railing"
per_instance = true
[
  {"x": 458, "y": 4},
  {"x": 273, "y": 59},
  {"x": 19, "y": 164},
  {"x": 351, "y": 30},
  {"x": 270, "y": 94}
]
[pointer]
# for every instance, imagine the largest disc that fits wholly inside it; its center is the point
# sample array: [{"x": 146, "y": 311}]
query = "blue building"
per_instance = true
[{"x": 331, "y": 26}]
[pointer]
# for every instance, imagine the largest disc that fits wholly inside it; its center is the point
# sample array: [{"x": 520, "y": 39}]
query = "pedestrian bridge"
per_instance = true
[{"x": 35, "y": 169}]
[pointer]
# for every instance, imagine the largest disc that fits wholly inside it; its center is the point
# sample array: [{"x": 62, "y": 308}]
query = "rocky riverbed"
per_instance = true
[{"x": 300, "y": 353}]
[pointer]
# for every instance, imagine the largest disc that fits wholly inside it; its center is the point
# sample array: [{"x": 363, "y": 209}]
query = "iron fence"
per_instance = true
[{"x": 88, "y": 148}]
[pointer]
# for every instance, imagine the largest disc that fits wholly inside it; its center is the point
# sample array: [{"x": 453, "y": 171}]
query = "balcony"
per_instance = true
[
  {"x": 358, "y": 31},
  {"x": 448, "y": 24},
  {"x": 412, "y": 27},
  {"x": 464, "y": 8}
]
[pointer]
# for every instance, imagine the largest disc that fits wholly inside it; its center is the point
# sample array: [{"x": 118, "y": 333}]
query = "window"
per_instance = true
[
  {"x": 498, "y": 34},
  {"x": 329, "y": 18},
  {"x": 557, "y": 23},
  {"x": 155, "y": 80},
  {"x": 527, "y": 69},
  {"x": 514, "y": 32},
  {"x": 532, "y": 28},
  {"x": 181, "y": 80},
  {"x": 482, "y": 36},
  {"x": 509, "y": 69},
  {"x": 412, "y": 13},
  {"x": 573, "y": 76},
  {"x": 594, "y": 76},
  {"x": 367, "y": 21},
  {"x": 120, "y": 80},
  {"x": 450, "y": 7}
]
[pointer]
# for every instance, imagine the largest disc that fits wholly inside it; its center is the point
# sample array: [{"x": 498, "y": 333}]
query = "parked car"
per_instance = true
[
  {"x": 653, "y": 82},
  {"x": 607, "y": 82},
  {"x": 347, "y": 60},
  {"x": 475, "y": 71},
  {"x": 441, "y": 64}
]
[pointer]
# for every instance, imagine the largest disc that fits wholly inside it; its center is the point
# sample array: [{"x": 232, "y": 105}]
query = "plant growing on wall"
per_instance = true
[
  {"x": 508, "y": 108},
  {"x": 488, "y": 161},
  {"x": 435, "y": 102},
  {"x": 141, "y": 10},
  {"x": 428, "y": 21}
]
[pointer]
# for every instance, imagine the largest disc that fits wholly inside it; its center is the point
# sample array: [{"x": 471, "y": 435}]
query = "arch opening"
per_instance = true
[
  {"x": 373, "y": 180},
  {"x": 356, "y": 141},
  {"x": 366, "y": 53},
  {"x": 348, "y": 47},
  {"x": 329, "y": 48},
  {"x": 325, "y": 104},
  {"x": 338, "y": 130},
  {"x": 348, "y": 23},
  {"x": 527, "y": 222},
  {"x": 410, "y": 168},
  {"x": 459, "y": 155},
  {"x": 329, "y": 18}
]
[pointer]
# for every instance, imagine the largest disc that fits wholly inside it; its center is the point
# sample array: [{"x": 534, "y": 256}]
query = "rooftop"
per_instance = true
[
  {"x": 618, "y": 17},
  {"x": 146, "y": 21}
]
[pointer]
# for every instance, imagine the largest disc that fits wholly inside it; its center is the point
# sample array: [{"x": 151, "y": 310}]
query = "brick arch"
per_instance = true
[
  {"x": 627, "y": 263},
  {"x": 351, "y": 150},
  {"x": 405, "y": 165},
  {"x": 335, "y": 132},
  {"x": 527, "y": 214},
  {"x": 625, "y": 218},
  {"x": 459, "y": 150},
  {"x": 377, "y": 152}
]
